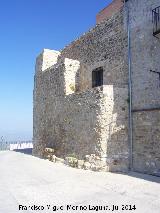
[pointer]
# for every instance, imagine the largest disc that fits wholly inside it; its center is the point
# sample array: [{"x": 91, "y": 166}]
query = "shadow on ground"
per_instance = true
[
  {"x": 146, "y": 177},
  {"x": 27, "y": 151}
]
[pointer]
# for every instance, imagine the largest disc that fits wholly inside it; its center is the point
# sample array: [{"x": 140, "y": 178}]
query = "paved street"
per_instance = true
[{"x": 32, "y": 184}]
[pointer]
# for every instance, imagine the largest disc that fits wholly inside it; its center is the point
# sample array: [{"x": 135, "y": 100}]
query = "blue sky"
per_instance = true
[{"x": 26, "y": 27}]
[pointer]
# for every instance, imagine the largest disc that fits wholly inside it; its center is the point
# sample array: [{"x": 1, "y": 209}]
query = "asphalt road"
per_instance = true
[{"x": 29, "y": 184}]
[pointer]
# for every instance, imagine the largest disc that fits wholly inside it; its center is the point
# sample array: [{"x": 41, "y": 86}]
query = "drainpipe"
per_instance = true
[{"x": 130, "y": 132}]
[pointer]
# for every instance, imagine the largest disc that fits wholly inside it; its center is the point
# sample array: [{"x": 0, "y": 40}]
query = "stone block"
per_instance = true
[
  {"x": 53, "y": 159},
  {"x": 87, "y": 166},
  {"x": 80, "y": 164},
  {"x": 71, "y": 161},
  {"x": 49, "y": 157},
  {"x": 49, "y": 150}
]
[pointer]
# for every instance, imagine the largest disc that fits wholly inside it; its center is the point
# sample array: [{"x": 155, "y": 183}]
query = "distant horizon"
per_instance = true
[{"x": 14, "y": 136}]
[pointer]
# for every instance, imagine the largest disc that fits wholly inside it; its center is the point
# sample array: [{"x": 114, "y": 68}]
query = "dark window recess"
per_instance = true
[
  {"x": 156, "y": 21},
  {"x": 97, "y": 77}
]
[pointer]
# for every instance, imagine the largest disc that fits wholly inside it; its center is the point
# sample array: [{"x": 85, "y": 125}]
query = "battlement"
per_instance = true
[{"x": 46, "y": 59}]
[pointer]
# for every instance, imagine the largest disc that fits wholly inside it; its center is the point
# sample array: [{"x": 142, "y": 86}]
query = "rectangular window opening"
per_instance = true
[{"x": 97, "y": 77}]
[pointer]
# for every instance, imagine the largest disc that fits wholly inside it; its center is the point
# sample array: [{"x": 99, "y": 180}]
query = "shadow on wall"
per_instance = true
[{"x": 115, "y": 128}]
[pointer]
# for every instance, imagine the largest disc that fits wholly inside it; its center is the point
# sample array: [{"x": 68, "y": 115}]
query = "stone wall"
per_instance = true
[
  {"x": 91, "y": 122},
  {"x": 103, "y": 46},
  {"x": 71, "y": 116},
  {"x": 146, "y": 146},
  {"x": 145, "y": 55}
]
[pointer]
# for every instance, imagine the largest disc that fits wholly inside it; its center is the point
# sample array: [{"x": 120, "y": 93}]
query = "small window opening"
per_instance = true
[{"x": 97, "y": 77}]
